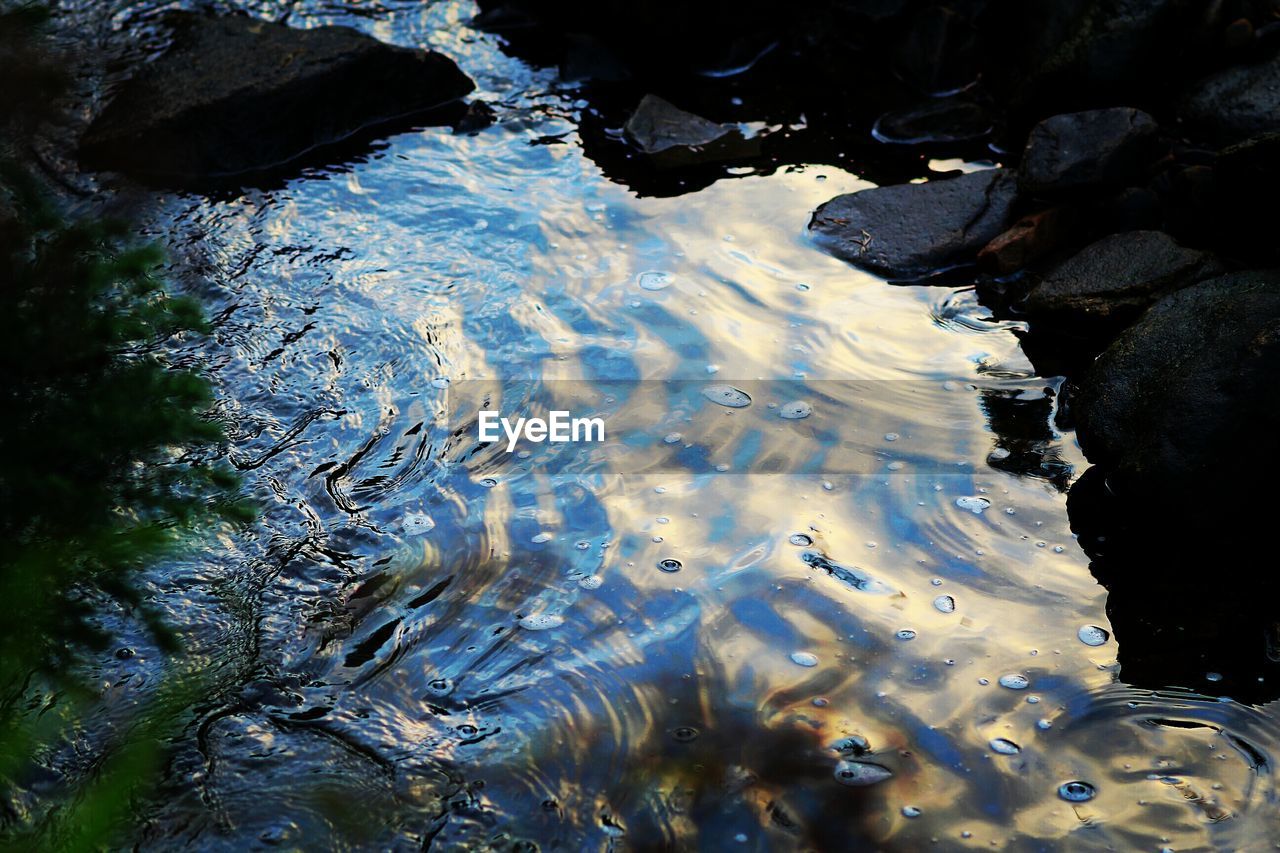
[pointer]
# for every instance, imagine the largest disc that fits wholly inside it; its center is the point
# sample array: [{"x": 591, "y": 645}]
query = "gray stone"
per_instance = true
[
  {"x": 658, "y": 126},
  {"x": 910, "y": 230},
  {"x": 1183, "y": 405},
  {"x": 1087, "y": 149},
  {"x": 1117, "y": 276},
  {"x": 235, "y": 95},
  {"x": 1236, "y": 103}
]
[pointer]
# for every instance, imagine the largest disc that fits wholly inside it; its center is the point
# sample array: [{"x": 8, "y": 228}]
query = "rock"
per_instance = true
[
  {"x": 1075, "y": 52},
  {"x": 936, "y": 120},
  {"x": 939, "y": 52},
  {"x": 1250, "y": 169},
  {"x": 1030, "y": 239},
  {"x": 1181, "y": 409},
  {"x": 1087, "y": 149},
  {"x": 235, "y": 95},
  {"x": 911, "y": 230},
  {"x": 1117, "y": 276},
  {"x": 658, "y": 125},
  {"x": 1236, "y": 103}
]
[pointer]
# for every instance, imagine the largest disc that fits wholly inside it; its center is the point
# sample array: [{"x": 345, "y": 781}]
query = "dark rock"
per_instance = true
[
  {"x": 1250, "y": 169},
  {"x": 234, "y": 95},
  {"x": 1182, "y": 405},
  {"x": 939, "y": 52},
  {"x": 674, "y": 138},
  {"x": 936, "y": 120},
  {"x": 911, "y": 230},
  {"x": 1073, "y": 52},
  {"x": 1236, "y": 103},
  {"x": 1030, "y": 239},
  {"x": 1087, "y": 149},
  {"x": 1117, "y": 276},
  {"x": 1130, "y": 209},
  {"x": 657, "y": 126}
]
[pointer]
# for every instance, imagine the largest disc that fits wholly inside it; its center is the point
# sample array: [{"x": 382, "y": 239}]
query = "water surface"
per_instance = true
[{"x": 424, "y": 645}]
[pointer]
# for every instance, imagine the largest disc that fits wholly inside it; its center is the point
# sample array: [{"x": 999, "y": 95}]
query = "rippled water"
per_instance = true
[{"x": 415, "y": 648}]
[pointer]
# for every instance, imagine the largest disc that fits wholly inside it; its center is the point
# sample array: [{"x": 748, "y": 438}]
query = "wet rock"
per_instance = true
[
  {"x": 936, "y": 120},
  {"x": 911, "y": 230},
  {"x": 1087, "y": 149},
  {"x": 674, "y": 138},
  {"x": 1030, "y": 239},
  {"x": 1236, "y": 103},
  {"x": 1181, "y": 408},
  {"x": 1117, "y": 276},
  {"x": 234, "y": 95},
  {"x": 658, "y": 125}
]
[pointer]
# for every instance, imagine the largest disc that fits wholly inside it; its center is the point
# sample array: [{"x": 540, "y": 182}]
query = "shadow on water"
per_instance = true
[{"x": 1189, "y": 597}]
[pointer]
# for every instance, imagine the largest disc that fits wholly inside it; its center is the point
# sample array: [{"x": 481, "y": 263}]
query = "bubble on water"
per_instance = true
[
  {"x": 418, "y": 523},
  {"x": 1077, "y": 791},
  {"x": 591, "y": 582},
  {"x": 684, "y": 734},
  {"x": 936, "y": 581},
  {"x": 795, "y": 410},
  {"x": 1213, "y": 676},
  {"x": 440, "y": 685},
  {"x": 984, "y": 681},
  {"x": 542, "y": 622},
  {"x": 712, "y": 369},
  {"x": 656, "y": 539},
  {"x": 542, "y": 537},
  {"x": 973, "y": 504},
  {"x": 1092, "y": 635},
  {"x": 727, "y": 395},
  {"x": 944, "y": 604},
  {"x": 1044, "y": 724},
  {"x": 804, "y": 658},
  {"x": 858, "y": 774},
  {"x": 905, "y": 634},
  {"x": 800, "y": 285},
  {"x": 827, "y": 485},
  {"x": 670, "y": 566},
  {"x": 488, "y": 482},
  {"x": 800, "y": 539},
  {"x": 672, "y": 438},
  {"x": 1004, "y": 746},
  {"x": 654, "y": 280},
  {"x": 891, "y": 436},
  {"x": 582, "y": 544},
  {"x": 1015, "y": 681},
  {"x": 911, "y": 811},
  {"x": 1058, "y": 549}
]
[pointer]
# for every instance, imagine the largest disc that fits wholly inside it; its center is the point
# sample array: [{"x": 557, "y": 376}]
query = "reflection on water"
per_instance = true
[{"x": 421, "y": 647}]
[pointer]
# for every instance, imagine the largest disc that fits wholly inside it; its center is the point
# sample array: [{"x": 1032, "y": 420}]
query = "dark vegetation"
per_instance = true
[{"x": 107, "y": 466}]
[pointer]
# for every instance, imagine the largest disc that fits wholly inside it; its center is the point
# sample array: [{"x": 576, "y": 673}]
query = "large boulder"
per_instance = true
[
  {"x": 1236, "y": 103},
  {"x": 1181, "y": 410},
  {"x": 1087, "y": 149},
  {"x": 235, "y": 95},
  {"x": 1116, "y": 277},
  {"x": 911, "y": 230}
]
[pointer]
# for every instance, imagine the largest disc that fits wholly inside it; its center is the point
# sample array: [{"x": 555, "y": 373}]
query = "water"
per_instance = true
[{"x": 412, "y": 648}]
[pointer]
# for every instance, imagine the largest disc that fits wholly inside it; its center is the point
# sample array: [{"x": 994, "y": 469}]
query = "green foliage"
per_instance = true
[{"x": 107, "y": 468}]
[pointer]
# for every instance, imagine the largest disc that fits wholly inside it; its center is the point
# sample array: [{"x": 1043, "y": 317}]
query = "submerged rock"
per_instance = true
[
  {"x": 1117, "y": 276},
  {"x": 658, "y": 125},
  {"x": 1183, "y": 405},
  {"x": 911, "y": 230},
  {"x": 1087, "y": 149},
  {"x": 937, "y": 120},
  {"x": 235, "y": 95},
  {"x": 1236, "y": 103}
]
